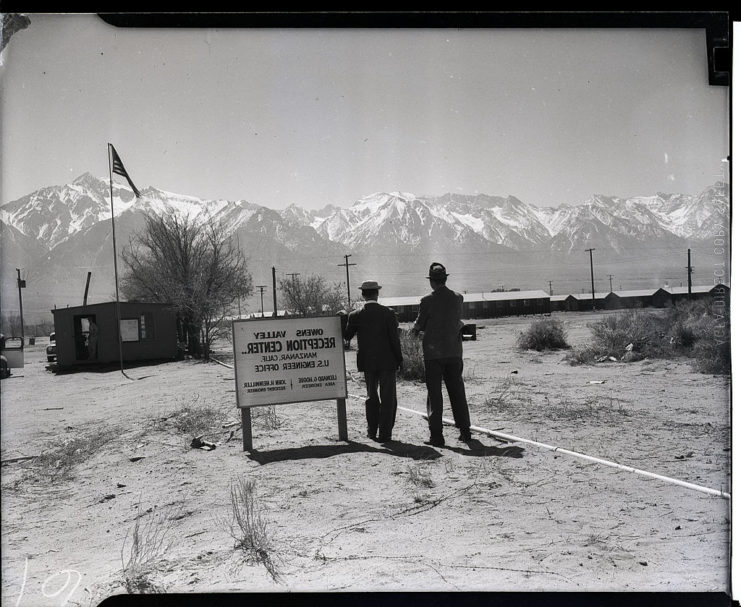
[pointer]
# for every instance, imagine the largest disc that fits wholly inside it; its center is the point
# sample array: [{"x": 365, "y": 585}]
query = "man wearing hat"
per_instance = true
[
  {"x": 379, "y": 356},
  {"x": 442, "y": 345}
]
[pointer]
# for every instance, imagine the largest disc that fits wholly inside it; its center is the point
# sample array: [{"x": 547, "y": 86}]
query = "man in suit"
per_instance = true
[
  {"x": 439, "y": 319},
  {"x": 379, "y": 356}
]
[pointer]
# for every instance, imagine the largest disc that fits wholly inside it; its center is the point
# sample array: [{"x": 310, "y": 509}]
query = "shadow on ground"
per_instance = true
[
  {"x": 393, "y": 447},
  {"x": 475, "y": 448}
]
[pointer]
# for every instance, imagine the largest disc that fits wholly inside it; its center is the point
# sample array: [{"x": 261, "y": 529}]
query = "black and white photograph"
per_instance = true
[{"x": 432, "y": 303}]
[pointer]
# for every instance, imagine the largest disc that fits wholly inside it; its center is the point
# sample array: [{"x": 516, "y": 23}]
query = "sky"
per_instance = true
[{"x": 281, "y": 116}]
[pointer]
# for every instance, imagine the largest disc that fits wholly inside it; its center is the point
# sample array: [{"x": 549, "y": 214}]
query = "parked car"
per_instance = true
[{"x": 51, "y": 349}]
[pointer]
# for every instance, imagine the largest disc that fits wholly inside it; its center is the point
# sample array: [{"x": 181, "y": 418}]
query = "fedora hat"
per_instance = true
[
  {"x": 369, "y": 285},
  {"x": 437, "y": 271}
]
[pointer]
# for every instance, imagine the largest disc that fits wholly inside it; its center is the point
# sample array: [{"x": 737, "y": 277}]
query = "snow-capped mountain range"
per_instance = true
[
  {"x": 60, "y": 229},
  {"x": 56, "y": 214}
]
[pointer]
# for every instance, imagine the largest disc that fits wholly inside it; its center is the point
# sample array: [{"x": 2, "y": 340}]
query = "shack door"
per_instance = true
[{"x": 86, "y": 337}]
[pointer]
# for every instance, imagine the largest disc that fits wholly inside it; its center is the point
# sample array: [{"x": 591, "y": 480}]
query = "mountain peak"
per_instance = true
[{"x": 87, "y": 179}]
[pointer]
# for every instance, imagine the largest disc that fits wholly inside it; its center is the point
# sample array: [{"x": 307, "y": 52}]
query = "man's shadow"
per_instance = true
[
  {"x": 393, "y": 447},
  {"x": 475, "y": 448}
]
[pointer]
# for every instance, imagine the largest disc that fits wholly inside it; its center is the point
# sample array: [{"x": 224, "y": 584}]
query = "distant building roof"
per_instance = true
[
  {"x": 582, "y": 296},
  {"x": 695, "y": 289},
  {"x": 104, "y": 304},
  {"x": 413, "y": 300},
  {"x": 637, "y": 293}
]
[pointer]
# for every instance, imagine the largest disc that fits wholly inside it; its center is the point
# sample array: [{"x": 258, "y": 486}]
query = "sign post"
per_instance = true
[{"x": 288, "y": 360}]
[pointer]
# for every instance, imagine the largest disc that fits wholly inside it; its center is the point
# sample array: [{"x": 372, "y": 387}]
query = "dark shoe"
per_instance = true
[
  {"x": 465, "y": 436},
  {"x": 436, "y": 442},
  {"x": 384, "y": 439},
  {"x": 371, "y": 435}
]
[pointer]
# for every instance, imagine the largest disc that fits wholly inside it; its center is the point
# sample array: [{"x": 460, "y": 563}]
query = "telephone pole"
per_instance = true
[
  {"x": 591, "y": 268},
  {"x": 21, "y": 285},
  {"x": 293, "y": 275},
  {"x": 689, "y": 273},
  {"x": 347, "y": 273},
  {"x": 610, "y": 277},
  {"x": 262, "y": 307},
  {"x": 550, "y": 287},
  {"x": 275, "y": 296}
]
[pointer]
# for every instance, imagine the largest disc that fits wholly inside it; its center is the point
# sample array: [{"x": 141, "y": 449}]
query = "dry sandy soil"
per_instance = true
[{"x": 359, "y": 516}]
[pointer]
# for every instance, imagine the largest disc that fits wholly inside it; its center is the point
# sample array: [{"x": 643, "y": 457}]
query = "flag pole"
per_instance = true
[{"x": 115, "y": 262}]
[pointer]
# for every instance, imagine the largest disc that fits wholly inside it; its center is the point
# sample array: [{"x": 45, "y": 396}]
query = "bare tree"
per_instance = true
[
  {"x": 194, "y": 266},
  {"x": 311, "y": 296},
  {"x": 10, "y": 324}
]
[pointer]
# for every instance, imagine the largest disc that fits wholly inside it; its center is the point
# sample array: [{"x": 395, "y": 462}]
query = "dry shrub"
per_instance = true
[
  {"x": 414, "y": 361},
  {"x": 247, "y": 527},
  {"x": 508, "y": 397},
  {"x": 420, "y": 477},
  {"x": 544, "y": 334},
  {"x": 59, "y": 460},
  {"x": 696, "y": 329},
  {"x": 194, "y": 418},
  {"x": 267, "y": 417},
  {"x": 140, "y": 558}
]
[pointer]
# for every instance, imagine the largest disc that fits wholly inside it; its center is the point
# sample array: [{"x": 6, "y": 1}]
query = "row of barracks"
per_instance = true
[
  {"x": 523, "y": 303},
  {"x": 644, "y": 298}
]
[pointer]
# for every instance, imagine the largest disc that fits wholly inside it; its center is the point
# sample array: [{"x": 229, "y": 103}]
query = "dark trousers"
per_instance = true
[
  {"x": 380, "y": 412},
  {"x": 449, "y": 370}
]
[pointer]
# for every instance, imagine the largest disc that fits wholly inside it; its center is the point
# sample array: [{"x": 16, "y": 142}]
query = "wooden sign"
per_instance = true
[{"x": 288, "y": 360}]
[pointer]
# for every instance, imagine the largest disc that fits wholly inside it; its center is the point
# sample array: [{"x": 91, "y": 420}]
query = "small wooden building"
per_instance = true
[
  {"x": 86, "y": 335},
  {"x": 638, "y": 298},
  {"x": 563, "y": 303},
  {"x": 584, "y": 301},
  {"x": 699, "y": 292},
  {"x": 505, "y": 303}
]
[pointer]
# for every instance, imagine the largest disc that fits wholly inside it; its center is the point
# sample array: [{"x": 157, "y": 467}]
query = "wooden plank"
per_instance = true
[
  {"x": 246, "y": 429},
  {"x": 342, "y": 418}
]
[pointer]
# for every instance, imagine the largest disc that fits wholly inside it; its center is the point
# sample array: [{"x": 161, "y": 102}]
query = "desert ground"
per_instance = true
[{"x": 355, "y": 515}]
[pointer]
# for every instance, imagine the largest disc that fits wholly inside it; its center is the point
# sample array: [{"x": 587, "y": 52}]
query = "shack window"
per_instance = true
[
  {"x": 512, "y": 303},
  {"x": 526, "y": 303},
  {"x": 146, "y": 327},
  {"x": 129, "y": 329}
]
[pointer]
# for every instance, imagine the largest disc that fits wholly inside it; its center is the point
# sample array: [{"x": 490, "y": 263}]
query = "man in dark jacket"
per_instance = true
[
  {"x": 379, "y": 356},
  {"x": 442, "y": 345}
]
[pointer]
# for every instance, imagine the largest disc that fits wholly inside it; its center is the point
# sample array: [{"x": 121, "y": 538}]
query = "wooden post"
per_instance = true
[
  {"x": 246, "y": 429},
  {"x": 342, "y": 418}
]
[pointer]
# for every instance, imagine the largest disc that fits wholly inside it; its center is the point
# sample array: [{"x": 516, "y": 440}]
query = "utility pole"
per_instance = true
[
  {"x": 275, "y": 297},
  {"x": 262, "y": 307},
  {"x": 293, "y": 275},
  {"x": 689, "y": 273},
  {"x": 87, "y": 287},
  {"x": 591, "y": 267},
  {"x": 239, "y": 297},
  {"x": 610, "y": 277},
  {"x": 550, "y": 288},
  {"x": 347, "y": 273},
  {"x": 21, "y": 285}
]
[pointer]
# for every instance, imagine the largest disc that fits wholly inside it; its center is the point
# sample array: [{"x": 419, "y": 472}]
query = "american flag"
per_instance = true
[{"x": 119, "y": 169}]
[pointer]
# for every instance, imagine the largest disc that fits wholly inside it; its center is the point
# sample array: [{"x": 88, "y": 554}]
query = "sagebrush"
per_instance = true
[
  {"x": 414, "y": 361},
  {"x": 143, "y": 548},
  {"x": 248, "y": 528},
  {"x": 544, "y": 334},
  {"x": 699, "y": 330}
]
